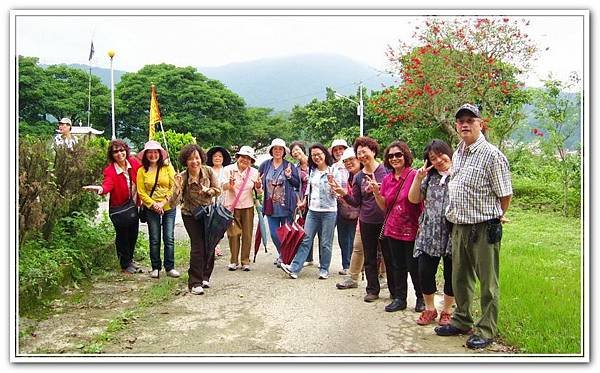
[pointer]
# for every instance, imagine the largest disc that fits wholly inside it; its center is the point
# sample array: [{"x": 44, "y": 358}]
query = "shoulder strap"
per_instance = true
[
  {"x": 155, "y": 181},
  {"x": 388, "y": 209}
]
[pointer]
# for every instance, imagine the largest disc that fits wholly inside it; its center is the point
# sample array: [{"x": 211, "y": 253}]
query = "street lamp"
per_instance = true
[
  {"x": 111, "y": 54},
  {"x": 359, "y": 106}
]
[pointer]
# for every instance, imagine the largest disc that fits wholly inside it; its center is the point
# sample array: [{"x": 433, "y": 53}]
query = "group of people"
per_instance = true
[{"x": 449, "y": 210}]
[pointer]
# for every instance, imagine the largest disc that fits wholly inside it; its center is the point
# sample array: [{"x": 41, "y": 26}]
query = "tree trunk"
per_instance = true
[{"x": 450, "y": 130}]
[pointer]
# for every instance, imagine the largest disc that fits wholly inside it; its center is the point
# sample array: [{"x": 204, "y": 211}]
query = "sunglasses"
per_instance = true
[
  {"x": 395, "y": 155},
  {"x": 115, "y": 151}
]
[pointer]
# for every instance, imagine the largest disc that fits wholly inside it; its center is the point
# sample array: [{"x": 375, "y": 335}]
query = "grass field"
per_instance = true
[{"x": 540, "y": 283}]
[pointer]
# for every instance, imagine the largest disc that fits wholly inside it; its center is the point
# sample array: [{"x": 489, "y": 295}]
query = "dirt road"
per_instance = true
[{"x": 261, "y": 312}]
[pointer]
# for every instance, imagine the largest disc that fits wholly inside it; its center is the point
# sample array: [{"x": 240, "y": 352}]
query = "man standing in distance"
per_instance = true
[{"x": 480, "y": 191}]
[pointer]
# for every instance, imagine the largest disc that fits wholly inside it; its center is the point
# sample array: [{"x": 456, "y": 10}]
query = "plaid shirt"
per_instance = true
[{"x": 480, "y": 177}]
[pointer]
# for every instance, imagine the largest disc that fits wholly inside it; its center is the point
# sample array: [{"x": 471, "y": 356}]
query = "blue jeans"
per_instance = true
[
  {"x": 167, "y": 222},
  {"x": 274, "y": 223},
  {"x": 323, "y": 224},
  {"x": 346, "y": 230}
]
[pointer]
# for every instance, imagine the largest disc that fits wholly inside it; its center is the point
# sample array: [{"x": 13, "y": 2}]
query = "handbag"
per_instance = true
[
  {"x": 268, "y": 206},
  {"x": 126, "y": 214},
  {"x": 142, "y": 213}
]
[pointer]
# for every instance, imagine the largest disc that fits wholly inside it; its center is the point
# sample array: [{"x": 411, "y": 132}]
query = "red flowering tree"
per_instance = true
[{"x": 476, "y": 60}]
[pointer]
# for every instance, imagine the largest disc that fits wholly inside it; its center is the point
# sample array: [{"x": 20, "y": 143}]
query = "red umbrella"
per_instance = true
[{"x": 290, "y": 236}]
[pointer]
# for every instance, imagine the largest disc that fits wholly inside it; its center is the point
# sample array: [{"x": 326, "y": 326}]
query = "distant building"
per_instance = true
[{"x": 83, "y": 132}]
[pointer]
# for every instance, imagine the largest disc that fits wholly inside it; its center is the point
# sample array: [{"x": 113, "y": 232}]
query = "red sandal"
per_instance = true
[{"x": 427, "y": 317}]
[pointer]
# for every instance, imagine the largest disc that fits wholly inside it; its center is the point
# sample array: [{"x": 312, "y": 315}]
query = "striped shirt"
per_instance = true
[{"x": 480, "y": 177}]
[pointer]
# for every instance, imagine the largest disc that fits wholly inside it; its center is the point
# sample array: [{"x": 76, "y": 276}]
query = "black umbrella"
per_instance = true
[{"x": 216, "y": 219}]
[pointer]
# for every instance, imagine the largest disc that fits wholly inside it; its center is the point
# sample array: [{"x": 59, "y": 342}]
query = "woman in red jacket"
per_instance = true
[{"x": 120, "y": 181}]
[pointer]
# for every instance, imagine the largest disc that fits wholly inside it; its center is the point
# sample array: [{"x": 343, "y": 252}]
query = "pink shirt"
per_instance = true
[
  {"x": 247, "y": 196},
  {"x": 403, "y": 221}
]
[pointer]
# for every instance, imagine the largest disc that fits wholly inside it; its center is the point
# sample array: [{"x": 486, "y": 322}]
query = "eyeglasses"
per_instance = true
[
  {"x": 395, "y": 155},
  {"x": 314, "y": 155},
  {"x": 468, "y": 121},
  {"x": 115, "y": 151}
]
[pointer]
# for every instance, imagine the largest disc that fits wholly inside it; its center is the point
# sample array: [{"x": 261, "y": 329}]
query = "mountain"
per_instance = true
[
  {"x": 103, "y": 74},
  {"x": 281, "y": 83}
]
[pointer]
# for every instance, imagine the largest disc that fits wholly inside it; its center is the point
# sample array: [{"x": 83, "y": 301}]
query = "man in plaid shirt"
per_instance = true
[{"x": 480, "y": 191}]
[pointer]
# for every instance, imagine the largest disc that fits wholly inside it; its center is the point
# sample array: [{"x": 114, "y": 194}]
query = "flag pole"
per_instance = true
[
  {"x": 164, "y": 138},
  {"x": 89, "y": 94}
]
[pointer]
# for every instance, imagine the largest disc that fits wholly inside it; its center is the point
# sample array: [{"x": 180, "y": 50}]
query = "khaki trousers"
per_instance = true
[
  {"x": 244, "y": 218},
  {"x": 357, "y": 260}
]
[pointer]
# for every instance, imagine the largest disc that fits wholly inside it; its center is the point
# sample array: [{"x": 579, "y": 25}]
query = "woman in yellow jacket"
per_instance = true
[{"x": 156, "y": 183}]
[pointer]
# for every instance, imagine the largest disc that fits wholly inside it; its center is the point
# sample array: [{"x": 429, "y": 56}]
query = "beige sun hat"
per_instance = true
[
  {"x": 339, "y": 142},
  {"x": 278, "y": 142},
  {"x": 247, "y": 151},
  {"x": 348, "y": 153}
]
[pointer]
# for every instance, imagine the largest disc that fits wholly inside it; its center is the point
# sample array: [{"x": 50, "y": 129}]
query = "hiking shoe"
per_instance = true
[
  {"x": 287, "y": 269},
  {"x": 197, "y": 290},
  {"x": 427, "y": 317},
  {"x": 445, "y": 318},
  {"x": 308, "y": 264},
  {"x": 448, "y": 330},
  {"x": 155, "y": 273},
  {"x": 245, "y": 268},
  {"x": 343, "y": 272},
  {"x": 134, "y": 264},
  {"x": 396, "y": 305},
  {"x": 476, "y": 342},
  {"x": 347, "y": 284},
  {"x": 129, "y": 270},
  {"x": 420, "y": 305},
  {"x": 323, "y": 274},
  {"x": 205, "y": 284},
  {"x": 371, "y": 298},
  {"x": 173, "y": 273},
  {"x": 232, "y": 266}
]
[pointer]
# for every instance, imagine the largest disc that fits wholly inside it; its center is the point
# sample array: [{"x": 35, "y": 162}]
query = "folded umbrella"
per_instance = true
[{"x": 261, "y": 230}]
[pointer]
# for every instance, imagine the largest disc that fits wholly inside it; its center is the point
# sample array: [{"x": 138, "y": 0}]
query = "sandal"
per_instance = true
[{"x": 427, "y": 317}]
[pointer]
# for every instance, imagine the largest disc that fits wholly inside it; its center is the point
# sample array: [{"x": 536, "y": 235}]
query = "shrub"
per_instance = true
[{"x": 74, "y": 250}]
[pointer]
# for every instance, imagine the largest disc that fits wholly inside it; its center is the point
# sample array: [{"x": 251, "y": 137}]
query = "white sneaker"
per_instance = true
[
  {"x": 323, "y": 274},
  {"x": 205, "y": 284},
  {"x": 155, "y": 273},
  {"x": 288, "y": 269},
  {"x": 245, "y": 267},
  {"x": 307, "y": 264},
  {"x": 232, "y": 266},
  {"x": 173, "y": 273},
  {"x": 197, "y": 290}
]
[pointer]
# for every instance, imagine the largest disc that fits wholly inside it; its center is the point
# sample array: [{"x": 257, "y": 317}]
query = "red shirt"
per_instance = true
[
  {"x": 403, "y": 221},
  {"x": 116, "y": 183}
]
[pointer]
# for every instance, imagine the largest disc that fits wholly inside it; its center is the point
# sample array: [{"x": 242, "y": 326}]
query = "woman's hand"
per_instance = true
[
  {"x": 422, "y": 172},
  {"x": 301, "y": 204},
  {"x": 258, "y": 182},
  {"x": 339, "y": 190},
  {"x": 157, "y": 207},
  {"x": 288, "y": 171},
  {"x": 94, "y": 188}
]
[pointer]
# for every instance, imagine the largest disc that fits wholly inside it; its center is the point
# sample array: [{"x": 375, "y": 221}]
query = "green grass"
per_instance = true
[{"x": 540, "y": 283}]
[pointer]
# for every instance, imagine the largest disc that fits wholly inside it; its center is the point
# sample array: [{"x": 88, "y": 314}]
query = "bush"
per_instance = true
[
  {"x": 51, "y": 180},
  {"x": 75, "y": 249},
  {"x": 175, "y": 142}
]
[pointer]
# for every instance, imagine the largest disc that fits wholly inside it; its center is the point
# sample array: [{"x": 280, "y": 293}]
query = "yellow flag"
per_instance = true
[{"x": 154, "y": 112}]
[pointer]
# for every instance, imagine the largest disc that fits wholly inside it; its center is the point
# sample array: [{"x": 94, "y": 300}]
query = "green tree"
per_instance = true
[
  {"x": 58, "y": 91},
  {"x": 559, "y": 118},
  {"x": 322, "y": 121},
  {"x": 453, "y": 62},
  {"x": 189, "y": 103},
  {"x": 265, "y": 126}
]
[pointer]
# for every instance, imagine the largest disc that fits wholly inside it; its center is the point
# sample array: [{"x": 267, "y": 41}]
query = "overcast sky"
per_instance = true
[{"x": 183, "y": 38}]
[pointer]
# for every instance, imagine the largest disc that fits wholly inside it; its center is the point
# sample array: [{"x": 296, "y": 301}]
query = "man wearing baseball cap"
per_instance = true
[
  {"x": 64, "y": 137},
  {"x": 480, "y": 190}
]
